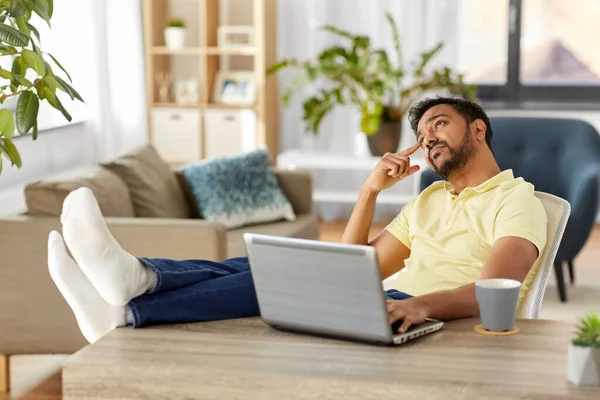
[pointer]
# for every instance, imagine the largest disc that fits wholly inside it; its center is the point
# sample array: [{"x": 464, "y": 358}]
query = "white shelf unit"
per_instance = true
[
  {"x": 194, "y": 127},
  {"x": 309, "y": 160}
]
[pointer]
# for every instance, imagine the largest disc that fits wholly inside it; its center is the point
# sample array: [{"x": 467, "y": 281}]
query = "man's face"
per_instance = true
[{"x": 446, "y": 140}]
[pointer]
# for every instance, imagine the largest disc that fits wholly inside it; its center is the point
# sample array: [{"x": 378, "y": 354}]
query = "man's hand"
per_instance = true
[
  {"x": 391, "y": 169},
  {"x": 409, "y": 311}
]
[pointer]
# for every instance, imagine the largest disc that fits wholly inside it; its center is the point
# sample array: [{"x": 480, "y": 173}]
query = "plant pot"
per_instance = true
[
  {"x": 583, "y": 365},
  {"x": 174, "y": 37},
  {"x": 386, "y": 139}
]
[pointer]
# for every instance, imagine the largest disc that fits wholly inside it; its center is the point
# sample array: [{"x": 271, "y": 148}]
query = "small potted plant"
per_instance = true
[
  {"x": 175, "y": 33},
  {"x": 583, "y": 364}
]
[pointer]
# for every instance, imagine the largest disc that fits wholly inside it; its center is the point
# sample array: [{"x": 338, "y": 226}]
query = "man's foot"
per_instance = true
[
  {"x": 117, "y": 275},
  {"x": 94, "y": 315}
]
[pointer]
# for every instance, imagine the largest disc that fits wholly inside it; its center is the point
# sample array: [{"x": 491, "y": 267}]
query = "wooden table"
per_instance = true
[{"x": 246, "y": 359}]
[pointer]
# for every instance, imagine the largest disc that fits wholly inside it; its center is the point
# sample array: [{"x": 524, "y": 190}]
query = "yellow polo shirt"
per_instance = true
[{"x": 450, "y": 236}]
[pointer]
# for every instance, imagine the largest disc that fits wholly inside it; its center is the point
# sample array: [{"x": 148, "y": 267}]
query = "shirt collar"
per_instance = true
[{"x": 494, "y": 181}]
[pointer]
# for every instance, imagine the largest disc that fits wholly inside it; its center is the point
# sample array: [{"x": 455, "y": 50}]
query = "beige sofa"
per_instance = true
[{"x": 34, "y": 318}]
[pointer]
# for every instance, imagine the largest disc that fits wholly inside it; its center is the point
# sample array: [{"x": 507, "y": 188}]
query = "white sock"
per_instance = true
[
  {"x": 117, "y": 275},
  {"x": 94, "y": 315}
]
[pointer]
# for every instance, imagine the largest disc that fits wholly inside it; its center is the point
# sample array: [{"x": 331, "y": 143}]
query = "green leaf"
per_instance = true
[
  {"x": 34, "y": 61},
  {"x": 44, "y": 9},
  {"x": 65, "y": 87},
  {"x": 5, "y": 74},
  {"x": 55, "y": 102},
  {"x": 35, "y": 31},
  {"x": 338, "y": 95},
  {"x": 273, "y": 68},
  {"x": 23, "y": 26},
  {"x": 8, "y": 50},
  {"x": 18, "y": 67},
  {"x": 35, "y": 131},
  {"x": 61, "y": 67},
  {"x": 0, "y": 163},
  {"x": 17, "y": 8},
  {"x": 12, "y": 36},
  {"x": 21, "y": 80},
  {"x": 13, "y": 152},
  {"x": 396, "y": 36},
  {"x": 4, "y": 150},
  {"x": 28, "y": 106},
  {"x": 339, "y": 32},
  {"x": 7, "y": 123}
]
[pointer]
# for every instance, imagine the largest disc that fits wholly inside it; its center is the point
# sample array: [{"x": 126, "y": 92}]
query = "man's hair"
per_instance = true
[{"x": 469, "y": 110}]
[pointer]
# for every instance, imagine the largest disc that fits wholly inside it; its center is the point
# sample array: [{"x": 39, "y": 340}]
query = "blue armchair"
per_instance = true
[{"x": 558, "y": 156}]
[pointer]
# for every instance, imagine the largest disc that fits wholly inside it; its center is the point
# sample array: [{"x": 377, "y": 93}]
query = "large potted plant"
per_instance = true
[
  {"x": 357, "y": 74},
  {"x": 583, "y": 364},
  {"x": 32, "y": 77}
]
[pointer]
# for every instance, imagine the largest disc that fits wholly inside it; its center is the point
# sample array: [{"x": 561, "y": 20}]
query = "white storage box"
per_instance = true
[
  {"x": 229, "y": 132},
  {"x": 176, "y": 134}
]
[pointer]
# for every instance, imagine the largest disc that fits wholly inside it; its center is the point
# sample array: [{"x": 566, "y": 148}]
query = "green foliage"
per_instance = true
[
  {"x": 588, "y": 332},
  {"x": 176, "y": 22},
  {"x": 30, "y": 78},
  {"x": 358, "y": 74}
]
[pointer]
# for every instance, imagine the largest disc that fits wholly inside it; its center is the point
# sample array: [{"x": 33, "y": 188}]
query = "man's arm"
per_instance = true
[
  {"x": 391, "y": 252},
  {"x": 511, "y": 258}
]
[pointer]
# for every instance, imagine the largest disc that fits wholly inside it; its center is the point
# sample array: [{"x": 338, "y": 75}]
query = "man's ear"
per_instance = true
[{"x": 479, "y": 129}]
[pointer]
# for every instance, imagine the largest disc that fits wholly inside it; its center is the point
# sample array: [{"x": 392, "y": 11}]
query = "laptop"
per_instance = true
[{"x": 324, "y": 289}]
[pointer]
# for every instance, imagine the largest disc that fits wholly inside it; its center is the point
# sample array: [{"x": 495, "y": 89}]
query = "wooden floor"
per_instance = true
[{"x": 38, "y": 377}]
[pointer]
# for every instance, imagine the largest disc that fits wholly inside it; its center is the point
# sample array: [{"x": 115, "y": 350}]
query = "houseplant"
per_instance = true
[
  {"x": 31, "y": 77},
  {"x": 175, "y": 33},
  {"x": 357, "y": 74},
  {"x": 583, "y": 364}
]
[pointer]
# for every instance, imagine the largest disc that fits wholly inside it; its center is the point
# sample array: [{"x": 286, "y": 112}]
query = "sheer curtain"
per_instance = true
[{"x": 422, "y": 24}]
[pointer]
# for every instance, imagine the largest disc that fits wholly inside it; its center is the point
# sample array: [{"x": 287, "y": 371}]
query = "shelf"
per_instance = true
[
  {"x": 296, "y": 159},
  {"x": 242, "y": 51},
  {"x": 175, "y": 105},
  {"x": 336, "y": 197},
  {"x": 215, "y": 106},
  {"x": 192, "y": 51}
]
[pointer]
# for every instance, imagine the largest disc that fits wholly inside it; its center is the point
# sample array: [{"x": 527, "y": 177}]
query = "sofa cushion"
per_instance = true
[
  {"x": 239, "y": 190},
  {"x": 306, "y": 226},
  {"x": 155, "y": 190},
  {"x": 46, "y": 197}
]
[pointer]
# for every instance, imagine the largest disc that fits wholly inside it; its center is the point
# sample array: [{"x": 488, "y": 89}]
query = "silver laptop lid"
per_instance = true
[{"x": 320, "y": 287}]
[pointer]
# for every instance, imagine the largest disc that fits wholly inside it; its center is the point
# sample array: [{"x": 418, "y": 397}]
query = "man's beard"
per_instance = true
[{"x": 458, "y": 157}]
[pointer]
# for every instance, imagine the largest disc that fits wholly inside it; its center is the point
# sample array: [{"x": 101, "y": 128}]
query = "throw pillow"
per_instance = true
[
  {"x": 46, "y": 197},
  {"x": 238, "y": 191},
  {"x": 155, "y": 191}
]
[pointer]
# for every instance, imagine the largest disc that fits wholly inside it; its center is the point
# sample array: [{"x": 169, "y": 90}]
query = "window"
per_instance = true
[
  {"x": 531, "y": 50},
  {"x": 68, "y": 34}
]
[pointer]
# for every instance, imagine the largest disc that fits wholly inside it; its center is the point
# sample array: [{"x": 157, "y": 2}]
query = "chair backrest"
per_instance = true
[{"x": 557, "y": 211}]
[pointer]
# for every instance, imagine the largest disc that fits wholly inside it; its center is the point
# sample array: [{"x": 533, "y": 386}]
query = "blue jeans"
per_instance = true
[{"x": 198, "y": 290}]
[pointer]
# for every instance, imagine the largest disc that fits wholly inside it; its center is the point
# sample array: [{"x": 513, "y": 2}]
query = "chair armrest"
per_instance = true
[
  {"x": 34, "y": 318},
  {"x": 298, "y": 188}
]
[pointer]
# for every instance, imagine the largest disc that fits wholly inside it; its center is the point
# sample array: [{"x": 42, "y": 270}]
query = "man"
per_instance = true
[{"x": 479, "y": 223}]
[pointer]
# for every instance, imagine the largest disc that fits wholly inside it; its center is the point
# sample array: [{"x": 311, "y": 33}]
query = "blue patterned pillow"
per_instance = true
[{"x": 238, "y": 191}]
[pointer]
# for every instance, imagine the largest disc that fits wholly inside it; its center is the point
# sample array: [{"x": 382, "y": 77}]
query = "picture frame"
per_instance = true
[
  {"x": 235, "y": 36},
  {"x": 235, "y": 88}
]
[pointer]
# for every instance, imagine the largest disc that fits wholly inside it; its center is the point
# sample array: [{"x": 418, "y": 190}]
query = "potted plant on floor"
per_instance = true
[
  {"x": 360, "y": 75},
  {"x": 175, "y": 33},
  {"x": 583, "y": 364}
]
